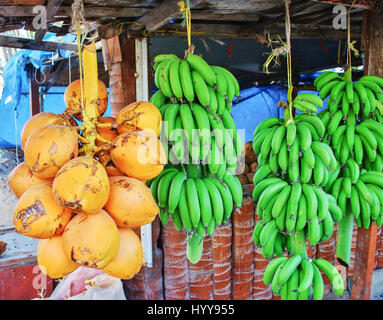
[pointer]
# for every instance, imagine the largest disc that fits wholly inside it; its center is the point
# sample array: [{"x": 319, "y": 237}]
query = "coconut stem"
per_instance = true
[{"x": 90, "y": 111}]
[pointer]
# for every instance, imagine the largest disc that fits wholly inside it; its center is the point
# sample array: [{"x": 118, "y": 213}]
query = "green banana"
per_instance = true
[
  {"x": 198, "y": 64},
  {"x": 332, "y": 273},
  {"x": 216, "y": 200},
  {"x": 186, "y": 81}
]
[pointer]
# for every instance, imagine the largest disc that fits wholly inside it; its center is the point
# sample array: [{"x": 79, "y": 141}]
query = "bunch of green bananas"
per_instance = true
[
  {"x": 284, "y": 209},
  {"x": 290, "y": 190},
  {"x": 193, "y": 79},
  {"x": 360, "y": 193},
  {"x": 361, "y": 141},
  {"x": 198, "y": 187},
  {"x": 362, "y": 97},
  {"x": 197, "y": 203},
  {"x": 192, "y": 134},
  {"x": 294, "y": 151},
  {"x": 295, "y": 278},
  {"x": 355, "y": 133}
]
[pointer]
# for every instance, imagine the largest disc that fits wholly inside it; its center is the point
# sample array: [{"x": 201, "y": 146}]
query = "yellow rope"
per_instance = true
[
  {"x": 186, "y": 10},
  {"x": 349, "y": 44},
  {"x": 79, "y": 46},
  {"x": 289, "y": 65}
]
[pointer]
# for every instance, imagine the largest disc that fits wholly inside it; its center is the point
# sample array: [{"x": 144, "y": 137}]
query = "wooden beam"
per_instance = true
[
  {"x": 364, "y": 4},
  {"x": 52, "y": 7},
  {"x": 89, "y": 11},
  {"x": 161, "y": 15},
  {"x": 213, "y": 30},
  {"x": 122, "y": 67},
  {"x": 372, "y": 42},
  {"x": 201, "y": 14},
  {"x": 25, "y": 43},
  {"x": 34, "y": 90}
]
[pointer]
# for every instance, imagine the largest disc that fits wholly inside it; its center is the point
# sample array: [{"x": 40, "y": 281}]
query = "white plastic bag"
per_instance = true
[{"x": 89, "y": 284}]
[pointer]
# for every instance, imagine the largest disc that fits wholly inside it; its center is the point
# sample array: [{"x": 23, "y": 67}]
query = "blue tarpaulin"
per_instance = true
[{"x": 256, "y": 104}]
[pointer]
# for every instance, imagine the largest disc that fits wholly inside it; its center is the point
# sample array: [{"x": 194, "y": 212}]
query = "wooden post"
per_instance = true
[
  {"x": 34, "y": 91},
  {"x": 120, "y": 51},
  {"x": 372, "y": 42}
]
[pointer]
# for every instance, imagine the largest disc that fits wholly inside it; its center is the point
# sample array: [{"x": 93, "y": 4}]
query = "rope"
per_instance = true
[
  {"x": 187, "y": 13},
  {"x": 80, "y": 62},
  {"x": 350, "y": 45},
  {"x": 289, "y": 65},
  {"x": 77, "y": 16},
  {"x": 41, "y": 73}
]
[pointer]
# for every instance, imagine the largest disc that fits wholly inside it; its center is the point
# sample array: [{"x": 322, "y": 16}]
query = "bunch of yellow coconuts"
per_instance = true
[{"x": 83, "y": 206}]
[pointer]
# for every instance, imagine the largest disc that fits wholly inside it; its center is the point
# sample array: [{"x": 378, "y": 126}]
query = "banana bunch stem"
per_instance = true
[
  {"x": 299, "y": 244},
  {"x": 88, "y": 58}
]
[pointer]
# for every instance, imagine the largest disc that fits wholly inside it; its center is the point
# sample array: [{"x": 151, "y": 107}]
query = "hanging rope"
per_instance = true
[
  {"x": 77, "y": 16},
  {"x": 187, "y": 20},
  {"x": 350, "y": 45},
  {"x": 289, "y": 65}
]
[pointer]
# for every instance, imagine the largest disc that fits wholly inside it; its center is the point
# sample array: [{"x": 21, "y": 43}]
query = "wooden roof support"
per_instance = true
[
  {"x": 364, "y": 4},
  {"x": 89, "y": 12},
  {"x": 161, "y": 15},
  {"x": 25, "y": 43},
  {"x": 372, "y": 42}
]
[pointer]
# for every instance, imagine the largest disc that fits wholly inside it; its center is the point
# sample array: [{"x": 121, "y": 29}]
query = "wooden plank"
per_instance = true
[
  {"x": 20, "y": 250},
  {"x": 364, "y": 263},
  {"x": 366, "y": 243},
  {"x": 161, "y": 15},
  {"x": 24, "y": 43},
  {"x": 24, "y": 283},
  {"x": 248, "y": 30},
  {"x": 223, "y": 16},
  {"x": 34, "y": 90},
  {"x": 364, "y": 4},
  {"x": 89, "y": 11},
  {"x": 122, "y": 64},
  {"x": 52, "y": 8}
]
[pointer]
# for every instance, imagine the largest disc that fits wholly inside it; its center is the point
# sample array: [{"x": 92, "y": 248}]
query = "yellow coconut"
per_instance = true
[
  {"x": 128, "y": 260},
  {"x": 52, "y": 260},
  {"x": 37, "y": 214},
  {"x": 82, "y": 185},
  {"x": 47, "y": 149},
  {"x": 72, "y": 99},
  {"x": 21, "y": 179},
  {"x": 138, "y": 154},
  {"x": 91, "y": 240},
  {"x": 139, "y": 115},
  {"x": 37, "y": 121},
  {"x": 130, "y": 202}
]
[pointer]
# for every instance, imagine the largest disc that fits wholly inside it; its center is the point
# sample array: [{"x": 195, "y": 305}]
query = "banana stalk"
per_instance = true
[
  {"x": 90, "y": 111},
  {"x": 344, "y": 238},
  {"x": 298, "y": 244}
]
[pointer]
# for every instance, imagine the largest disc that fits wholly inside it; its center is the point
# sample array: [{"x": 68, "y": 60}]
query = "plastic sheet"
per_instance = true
[{"x": 14, "y": 103}]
